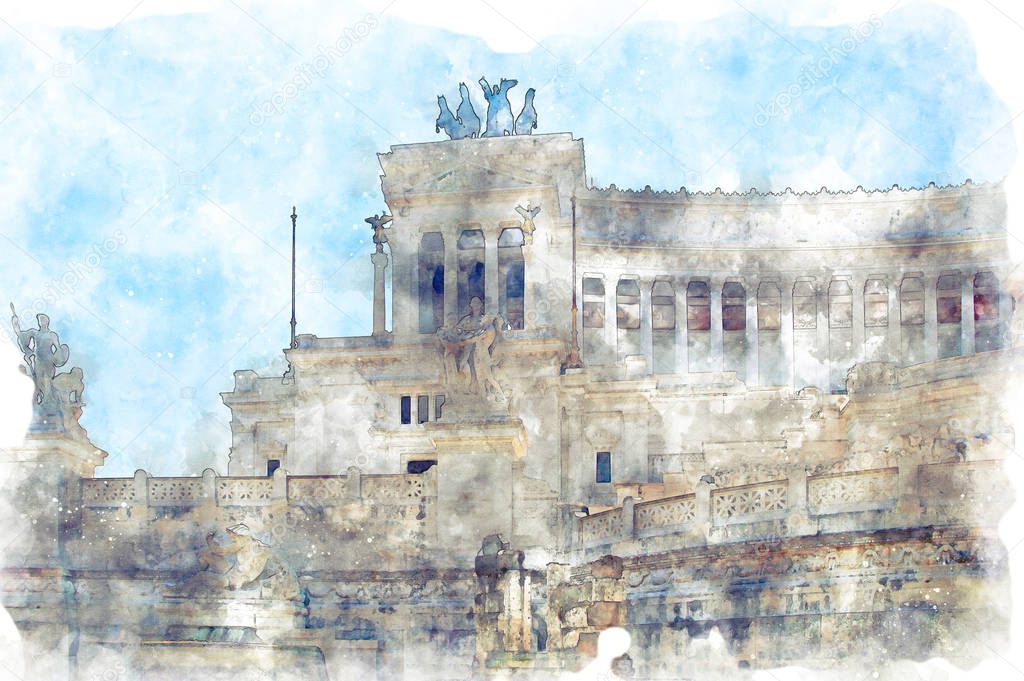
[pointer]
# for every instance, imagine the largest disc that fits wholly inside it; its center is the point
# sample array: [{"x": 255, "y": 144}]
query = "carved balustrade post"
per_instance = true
[
  {"x": 280, "y": 485},
  {"x": 628, "y": 518},
  {"x": 209, "y": 488},
  {"x": 354, "y": 484}
]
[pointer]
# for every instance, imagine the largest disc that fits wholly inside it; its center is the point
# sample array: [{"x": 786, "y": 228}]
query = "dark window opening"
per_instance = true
[
  {"x": 422, "y": 408},
  {"x": 986, "y": 297},
  {"x": 663, "y": 306},
  {"x": 438, "y": 404},
  {"x": 272, "y": 465},
  {"x": 698, "y": 306},
  {"x": 431, "y": 282},
  {"x": 406, "y": 409},
  {"x": 604, "y": 467},
  {"x": 876, "y": 303},
  {"x": 947, "y": 299},
  {"x": 627, "y": 304},
  {"x": 472, "y": 272},
  {"x": 805, "y": 305},
  {"x": 840, "y": 304},
  {"x": 420, "y": 466},
  {"x": 593, "y": 303},
  {"x": 912, "y": 301},
  {"x": 769, "y": 307},
  {"x": 734, "y": 307}
]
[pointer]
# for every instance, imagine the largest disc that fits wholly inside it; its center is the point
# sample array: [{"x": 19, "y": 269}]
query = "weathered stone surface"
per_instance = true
[{"x": 607, "y": 566}]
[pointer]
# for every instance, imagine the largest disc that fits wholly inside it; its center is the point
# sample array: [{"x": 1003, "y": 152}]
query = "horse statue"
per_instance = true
[
  {"x": 467, "y": 114},
  {"x": 526, "y": 121}
]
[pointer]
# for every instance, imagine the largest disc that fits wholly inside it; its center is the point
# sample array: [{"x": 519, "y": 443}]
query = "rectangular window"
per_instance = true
[
  {"x": 604, "y": 467},
  {"x": 593, "y": 315},
  {"x": 438, "y": 403},
  {"x": 734, "y": 307},
  {"x": 805, "y": 305},
  {"x": 912, "y": 301},
  {"x": 947, "y": 299},
  {"x": 769, "y": 307},
  {"x": 422, "y": 408},
  {"x": 627, "y": 304},
  {"x": 406, "y": 409},
  {"x": 418, "y": 466},
  {"x": 663, "y": 306},
  {"x": 272, "y": 465},
  {"x": 840, "y": 304}
]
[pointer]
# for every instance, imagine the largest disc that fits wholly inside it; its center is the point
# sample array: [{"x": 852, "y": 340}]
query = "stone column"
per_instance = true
[
  {"x": 491, "y": 277},
  {"x": 786, "y": 327},
  {"x": 611, "y": 327},
  {"x": 931, "y": 324},
  {"x": 967, "y": 312},
  {"x": 628, "y": 519},
  {"x": 646, "y": 323},
  {"x": 380, "y": 263},
  {"x": 751, "y": 333},
  {"x": 716, "y": 349},
  {"x": 822, "y": 338},
  {"x": 859, "y": 332},
  {"x": 682, "y": 356},
  {"x": 451, "y": 278},
  {"x": 702, "y": 515},
  {"x": 893, "y": 341}
]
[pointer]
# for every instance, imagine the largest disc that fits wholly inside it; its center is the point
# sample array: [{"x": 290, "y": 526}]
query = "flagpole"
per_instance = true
[
  {"x": 573, "y": 360},
  {"x": 294, "y": 217}
]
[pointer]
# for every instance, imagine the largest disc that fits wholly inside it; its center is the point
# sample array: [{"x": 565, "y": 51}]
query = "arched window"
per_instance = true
[
  {"x": 512, "y": 274},
  {"x": 986, "y": 297},
  {"x": 769, "y": 307},
  {"x": 627, "y": 304},
  {"x": 593, "y": 303},
  {"x": 734, "y": 307},
  {"x": 471, "y": 269},
  {"x": 431, "y": 282},
  {"x": 840, "y": 304},
  {"x": 663, "y": 306},
  {"x": 876, "y": 302},
  {"x": 912, "y": 301},
  {"x": 805, "y": 305},
  {"x": 698, "y": 306},
  {"x": 947, "y": 299}
]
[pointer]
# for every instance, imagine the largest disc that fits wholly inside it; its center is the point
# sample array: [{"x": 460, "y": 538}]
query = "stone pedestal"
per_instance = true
[
  {"x": 474, "y": 483},
  {"x": 40, "y": 488},
  {"x": 380, "y": 263}
]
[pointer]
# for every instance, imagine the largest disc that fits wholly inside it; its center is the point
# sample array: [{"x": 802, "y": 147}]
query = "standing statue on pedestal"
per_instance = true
[
  {"x": 528, "y": 214},
  {"x": 57, "y": 398},
  {"x": 499, "y": 111},
  {"x": 380, "y": 236},
  {"x": 466, "y": 353}
]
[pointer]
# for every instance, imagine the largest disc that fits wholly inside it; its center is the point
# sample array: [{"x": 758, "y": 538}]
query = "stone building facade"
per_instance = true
[{"x": 752, "y": 429}]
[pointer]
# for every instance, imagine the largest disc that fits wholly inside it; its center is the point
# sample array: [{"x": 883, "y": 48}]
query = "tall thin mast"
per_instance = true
[
  {"x": 573, "y": 360},
  {"x": 294, "y": 217}
]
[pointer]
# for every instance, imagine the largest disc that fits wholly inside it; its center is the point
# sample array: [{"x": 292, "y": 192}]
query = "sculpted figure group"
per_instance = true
[
  {"x": 466, "y": 349},
  {"x": 499, "y": 120}
]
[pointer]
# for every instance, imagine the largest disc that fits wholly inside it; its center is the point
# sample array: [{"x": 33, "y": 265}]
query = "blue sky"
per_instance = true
[{"x": 145, "y": 188}]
